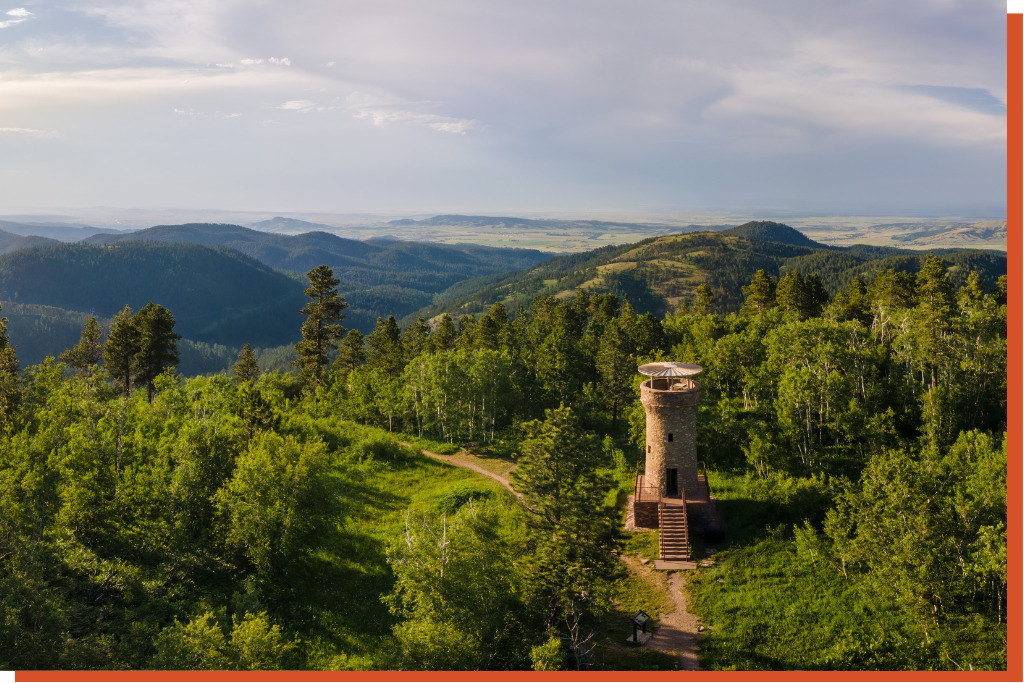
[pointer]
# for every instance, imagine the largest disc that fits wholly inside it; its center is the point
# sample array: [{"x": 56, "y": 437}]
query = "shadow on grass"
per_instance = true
[
  {"x": 747, "y": 520},
  {"x": 613, "y": 651}
]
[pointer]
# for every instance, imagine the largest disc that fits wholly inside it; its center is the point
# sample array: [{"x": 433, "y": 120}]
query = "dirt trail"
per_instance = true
[
  {"x": 677, "y": 631},
  {"x": 465, "y": 464}
]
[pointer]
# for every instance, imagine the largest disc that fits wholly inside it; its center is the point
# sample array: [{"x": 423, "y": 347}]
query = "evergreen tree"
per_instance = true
[
  {"x": 247, "y": 369},
  {"x": 350, "y": 355},
  {"x": 120, "y": 349},
  {"x": 322, "y": 330},
  {"x": 10, "y": 390},
  {"x": 467, "y": 332},
  {"x": 933, "y": 316},
  {"x": 384, "y": 349},
  {"x": 852, "y": 304},
  {"x": 492, "y": 332},
  {"x": 572, "y": 531},
  {"x": 257, "y": 413},
  {"x": 559, "y": 367},
  {"x": 88, "y": 351},
  {"x": 790, "y": 294},
  {"x": 416, "y": 339},
  {"x": 1001, "y": 290},
  {"x": 445, "y": 337},
  {"x": 158, "y": 345},
  {"x": 616, "y": 368},
  {"x": 760, "y": 294},
  {"x": 815, "y": 295},
  {"x": 704, "y": 300}
]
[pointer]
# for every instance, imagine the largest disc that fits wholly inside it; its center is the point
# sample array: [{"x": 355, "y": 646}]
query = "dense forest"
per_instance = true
[
  {"x": 228, "y": 285},
  {"x": 660, "y": 274},
  {"x": 855, "y": 438}
]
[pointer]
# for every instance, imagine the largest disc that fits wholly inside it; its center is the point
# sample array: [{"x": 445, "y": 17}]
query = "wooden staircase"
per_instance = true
[{"x": 674, "y": 536}]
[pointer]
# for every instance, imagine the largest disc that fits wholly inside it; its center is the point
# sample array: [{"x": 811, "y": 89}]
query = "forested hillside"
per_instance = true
[
  {"x": 220, "y": 296},
  {"x": 223, "y": 279},
  {"x": 11, "y": 242},
  {"x": 661, "y": 274},
  {"x": 856, "y": 445},
  {"x": 770, "y": 231},
  {"x": 379, "y": 277}
]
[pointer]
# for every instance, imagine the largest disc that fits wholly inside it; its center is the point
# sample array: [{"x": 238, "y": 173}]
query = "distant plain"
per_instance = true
[{"x": 555, "y": 232}]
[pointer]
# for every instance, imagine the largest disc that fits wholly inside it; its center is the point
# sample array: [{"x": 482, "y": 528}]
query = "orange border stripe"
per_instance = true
[{"x": 1015, "y": 268}]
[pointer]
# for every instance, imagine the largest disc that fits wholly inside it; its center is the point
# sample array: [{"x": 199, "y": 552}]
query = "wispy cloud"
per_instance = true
[
  {"x": 381, "y": 112},
  {"x": 255, "y": 61},
  {"x": 658, "y": 95},
  {"x": 300, "y": 106},
  {"x": 36, "y": 132},
  {"x": 17, "y": 15}
]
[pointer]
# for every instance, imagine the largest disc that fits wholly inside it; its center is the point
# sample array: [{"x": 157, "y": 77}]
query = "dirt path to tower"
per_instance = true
[
  {"x": 677, "y": 631},
  {"x": 457, "y": 461}
]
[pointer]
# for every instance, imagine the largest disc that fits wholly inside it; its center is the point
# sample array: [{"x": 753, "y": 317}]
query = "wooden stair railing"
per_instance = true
[{"x": 674, "y": 531}]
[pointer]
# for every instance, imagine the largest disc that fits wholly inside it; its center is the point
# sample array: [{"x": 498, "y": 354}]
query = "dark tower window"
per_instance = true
[{"x": 670, "y": 436}]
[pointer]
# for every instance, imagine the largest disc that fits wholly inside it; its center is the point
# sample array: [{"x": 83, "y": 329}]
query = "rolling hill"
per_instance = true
[
  {"x": 378, "y": 277},
  {"x": 63, "y": 232},
  {"x": 225, "y": 284},
  {"x": 12, "y": 242},
  {"x": 222, "y": 297},
  {"x": 770, "y": 231},
  {"x": 217, "y": 295},
  {"x": 660, "y": 273}
]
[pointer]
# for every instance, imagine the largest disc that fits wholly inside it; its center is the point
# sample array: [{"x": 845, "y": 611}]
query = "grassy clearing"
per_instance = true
[
  {"x": 769, "y": 606},
  {"x": 334, "y": 599},
  {"x": 768, "y": 609},
  {"x": 642, "y": 544}
]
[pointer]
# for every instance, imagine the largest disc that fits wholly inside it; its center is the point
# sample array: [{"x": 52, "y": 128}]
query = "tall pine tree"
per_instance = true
[
  {"x": 10, "y": 390},
  {"x": 88, "y": 351},
  {"x": 322, "y": 330},
  {"x": 158, "y": 345},
  {"x": 247, "y": 369},
  {"x": 120, "y": 348},
  {"x": 572, "y": 532}
]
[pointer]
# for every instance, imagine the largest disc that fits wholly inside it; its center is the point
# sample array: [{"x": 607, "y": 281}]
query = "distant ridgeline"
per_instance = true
[
  {"x": 660, "y": 274},
  {"x": 227, "y": 285}
]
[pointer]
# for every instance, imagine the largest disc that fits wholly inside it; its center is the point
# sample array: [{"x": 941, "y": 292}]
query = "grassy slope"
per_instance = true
[
  {"x": 658, "y": 274},
  {"x": 770, "y": 606},
  {"x": 335, "y": 598}
]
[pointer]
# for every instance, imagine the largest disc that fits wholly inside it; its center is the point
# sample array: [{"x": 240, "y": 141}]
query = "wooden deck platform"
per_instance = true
[{"x": 668, "y": 565}]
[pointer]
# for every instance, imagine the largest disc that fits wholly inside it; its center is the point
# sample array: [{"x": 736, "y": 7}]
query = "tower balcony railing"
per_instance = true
[
  {"x": 643, "y": 493},
  {"x": 671, "y": 384},
  {"x": 647, "y": 494}
]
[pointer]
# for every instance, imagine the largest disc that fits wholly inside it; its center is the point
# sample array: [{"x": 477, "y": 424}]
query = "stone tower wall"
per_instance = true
[{"x": 675, "y": 413}]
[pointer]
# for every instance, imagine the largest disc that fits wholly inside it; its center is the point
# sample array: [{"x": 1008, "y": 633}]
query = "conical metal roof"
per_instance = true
[{"x": 670, "y": 369}]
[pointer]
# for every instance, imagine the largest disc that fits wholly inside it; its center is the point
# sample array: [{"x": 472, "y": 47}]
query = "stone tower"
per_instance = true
[
  {"x": 670, "y": 399},
  {"x": 672, "y": 495}
]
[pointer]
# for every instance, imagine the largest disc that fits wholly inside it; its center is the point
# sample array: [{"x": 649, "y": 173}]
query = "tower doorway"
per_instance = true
[{"x": 672, "y": 482}]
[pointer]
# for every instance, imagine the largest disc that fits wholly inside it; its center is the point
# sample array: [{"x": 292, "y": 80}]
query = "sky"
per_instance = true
[{"x": 856, "y": 107}]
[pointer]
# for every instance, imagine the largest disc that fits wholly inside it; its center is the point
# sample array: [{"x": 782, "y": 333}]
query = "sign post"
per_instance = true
[{"x": 640, "y": 619}]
